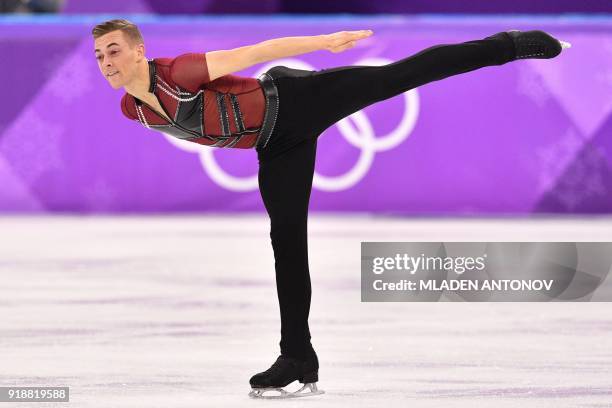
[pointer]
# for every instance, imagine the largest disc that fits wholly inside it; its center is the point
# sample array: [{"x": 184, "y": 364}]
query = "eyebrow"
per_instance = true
[{"x": 106, "y": 46}]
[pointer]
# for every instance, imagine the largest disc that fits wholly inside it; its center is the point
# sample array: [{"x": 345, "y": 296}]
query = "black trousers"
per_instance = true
[{"x": 309, "y": 103}]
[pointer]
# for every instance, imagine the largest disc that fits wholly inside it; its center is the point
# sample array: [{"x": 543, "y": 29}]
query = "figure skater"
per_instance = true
[{"x": 281, "y": 114}]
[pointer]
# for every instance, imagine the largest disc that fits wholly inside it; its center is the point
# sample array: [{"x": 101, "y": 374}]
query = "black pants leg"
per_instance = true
[
  {"x": 336, "y": 93},
  {"x": 285, "y": 184},
  {"x": 310, "y": 102}
]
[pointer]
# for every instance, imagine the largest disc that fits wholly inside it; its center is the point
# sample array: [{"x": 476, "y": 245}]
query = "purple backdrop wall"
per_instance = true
[
  {"x": 527, "y": 137},
  {"x": 326, "y": 6}
]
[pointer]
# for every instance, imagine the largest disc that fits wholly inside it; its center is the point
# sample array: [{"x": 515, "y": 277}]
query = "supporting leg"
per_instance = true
[{"x": 285, "y": 183}]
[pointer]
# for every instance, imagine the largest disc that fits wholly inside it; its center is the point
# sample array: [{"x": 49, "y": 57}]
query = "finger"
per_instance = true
[
  {"x": 362, "y": 33},
  {"x": 348, "y": 45},
  {"x": 353, "y": 39}
]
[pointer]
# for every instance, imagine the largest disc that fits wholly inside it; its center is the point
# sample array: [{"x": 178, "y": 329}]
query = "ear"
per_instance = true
[{"x": 140, "y": 50}]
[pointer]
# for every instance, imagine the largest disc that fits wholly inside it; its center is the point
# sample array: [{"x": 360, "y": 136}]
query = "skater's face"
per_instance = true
[{"x": 118, "y": 58}]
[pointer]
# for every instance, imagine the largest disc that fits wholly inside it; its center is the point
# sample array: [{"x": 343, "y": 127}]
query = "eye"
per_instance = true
[{"x": 99, "y": 57}]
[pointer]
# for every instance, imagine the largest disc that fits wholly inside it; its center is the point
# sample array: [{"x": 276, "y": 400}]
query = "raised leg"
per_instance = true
[{"x": 335, "y": 93}]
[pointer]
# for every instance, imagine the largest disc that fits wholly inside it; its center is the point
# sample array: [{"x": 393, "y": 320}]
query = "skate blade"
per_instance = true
[
  {"x": 259, "y": 392},
  {"x": 565, "y": 44}
]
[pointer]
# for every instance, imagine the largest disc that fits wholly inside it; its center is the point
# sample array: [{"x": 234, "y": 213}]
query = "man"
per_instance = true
[
  {"x": 120, "y": 51},
  {"x": 195, "y": 97}
]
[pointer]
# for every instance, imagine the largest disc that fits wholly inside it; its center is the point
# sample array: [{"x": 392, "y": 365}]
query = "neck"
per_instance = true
[{"x": 139, "y": 86}]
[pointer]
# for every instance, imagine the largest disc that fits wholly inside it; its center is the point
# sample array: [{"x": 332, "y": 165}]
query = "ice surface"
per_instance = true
[{"x": 181, "y": 311}]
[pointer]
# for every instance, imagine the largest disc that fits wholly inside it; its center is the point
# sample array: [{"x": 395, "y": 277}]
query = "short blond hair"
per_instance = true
[{"x": 130, "y": 30}]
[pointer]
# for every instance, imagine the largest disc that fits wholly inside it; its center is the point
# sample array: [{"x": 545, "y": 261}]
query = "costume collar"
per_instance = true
[
  {"x": 152, "y": 81},
  {"x": 152, "y": 76}
]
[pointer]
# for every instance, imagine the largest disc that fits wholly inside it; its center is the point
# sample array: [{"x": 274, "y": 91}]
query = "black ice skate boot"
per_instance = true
[
  {"x": 536, "y": 44},
  {"x": 283, "y": 372}
]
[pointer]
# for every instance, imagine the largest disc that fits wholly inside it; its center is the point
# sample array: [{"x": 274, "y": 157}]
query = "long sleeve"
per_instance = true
[{"x": 189, "y": 71}]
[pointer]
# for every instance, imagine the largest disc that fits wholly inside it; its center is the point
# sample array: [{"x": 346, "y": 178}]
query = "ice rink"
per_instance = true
[{"x": 180, "y": 311}]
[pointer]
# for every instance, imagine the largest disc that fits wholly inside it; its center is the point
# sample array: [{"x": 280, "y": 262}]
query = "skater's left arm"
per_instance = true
[
  {"x": 223, "y": 62},
  {"x": 289, "y": 46},
  {"x": 192, "y": 70}
]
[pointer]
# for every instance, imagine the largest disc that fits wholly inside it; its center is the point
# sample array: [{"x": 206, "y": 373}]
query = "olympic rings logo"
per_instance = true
[{"x": 362, "y": 136}]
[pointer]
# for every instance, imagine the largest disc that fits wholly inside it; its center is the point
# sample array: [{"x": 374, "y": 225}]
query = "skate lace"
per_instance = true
[{"x": 531, "y": 49}]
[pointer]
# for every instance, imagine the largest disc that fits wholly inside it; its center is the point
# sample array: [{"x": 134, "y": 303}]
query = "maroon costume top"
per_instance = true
[{"x": 226, "y": 112}]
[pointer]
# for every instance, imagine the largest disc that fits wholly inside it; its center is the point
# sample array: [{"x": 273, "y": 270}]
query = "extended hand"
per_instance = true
[{"x": 343, "y": 40}]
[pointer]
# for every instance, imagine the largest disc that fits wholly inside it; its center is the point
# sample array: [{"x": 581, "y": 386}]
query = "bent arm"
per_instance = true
[{"x": 223, "y": 62}]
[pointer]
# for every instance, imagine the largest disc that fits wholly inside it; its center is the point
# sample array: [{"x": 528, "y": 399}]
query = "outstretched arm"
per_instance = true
[{"x": 225, "y": 62}]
